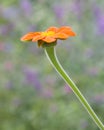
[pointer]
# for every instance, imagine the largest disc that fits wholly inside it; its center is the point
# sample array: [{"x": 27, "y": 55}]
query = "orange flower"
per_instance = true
[{"x": 49, "y": 36}]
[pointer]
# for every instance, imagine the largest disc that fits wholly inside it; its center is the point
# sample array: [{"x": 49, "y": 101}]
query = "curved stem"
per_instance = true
[{"x": 50, "y": 52}]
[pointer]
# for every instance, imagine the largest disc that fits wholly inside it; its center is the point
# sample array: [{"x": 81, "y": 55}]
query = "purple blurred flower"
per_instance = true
[
  {"x": 10, "y": 13},
  {"x": 31, "y": 77},
  {"x": 8, "y": 47},
  {"x": 47, "y": 92},
  {"x": 88, "y": 52},
  {"x": 93, "y": 71},
  {"x": 59, "y": 12},
  {"x": 77, "y": 7},
  {"x": 101, "y": 25},
  {"x": 67, "y": 89},
  {"x": 99, "y": 15},
  {"x": 6, "y": 29},
  {"x": 99, "y": 98},
  {"x": 32, "y": 28},
  {"x": 26, "y": 6}
]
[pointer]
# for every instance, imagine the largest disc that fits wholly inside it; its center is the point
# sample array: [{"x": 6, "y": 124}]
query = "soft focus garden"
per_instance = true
[{"x": 32, "y": 94}]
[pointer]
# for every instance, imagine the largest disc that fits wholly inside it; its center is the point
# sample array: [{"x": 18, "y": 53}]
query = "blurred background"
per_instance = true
[{"x": 32, "y": 95}]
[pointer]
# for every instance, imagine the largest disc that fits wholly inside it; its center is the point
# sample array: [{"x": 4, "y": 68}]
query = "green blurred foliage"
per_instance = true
[{"x": 32, "y": 95}]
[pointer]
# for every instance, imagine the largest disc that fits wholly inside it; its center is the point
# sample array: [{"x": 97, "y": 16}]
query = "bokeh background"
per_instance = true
[{"x": 32, "y": 95}]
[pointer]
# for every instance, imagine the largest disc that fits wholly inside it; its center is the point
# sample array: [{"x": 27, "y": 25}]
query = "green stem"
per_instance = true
[{"x": 50, "y": 52}]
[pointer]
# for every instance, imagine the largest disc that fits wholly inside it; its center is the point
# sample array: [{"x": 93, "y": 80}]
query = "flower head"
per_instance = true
[{"x": 49, "y": 36}]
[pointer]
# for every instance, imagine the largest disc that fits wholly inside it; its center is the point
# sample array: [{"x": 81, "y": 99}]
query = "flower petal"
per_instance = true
[
  {"x": 38, "y": 37},
  {"x": 61, "y": 36},
  {"x": 54, "y": 29},
  {"x": 29, "y": 36},
  {"x": 49, "y": 39},
  {"x": 64, "y": 28},
  {"x": 69, "y": 32}
]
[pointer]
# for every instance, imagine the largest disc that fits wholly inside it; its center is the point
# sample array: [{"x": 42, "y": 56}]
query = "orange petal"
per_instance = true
[
  {"x": 29, "y": 36},
  {"x": 69, "y": 32},
  {"x": 54, "y": 29},
  {"x": 49, "y": 39},
  {"x": 64, "y": 28},
  {"x": 61, "y": 36},
  {"x": 38, "y": 37}
]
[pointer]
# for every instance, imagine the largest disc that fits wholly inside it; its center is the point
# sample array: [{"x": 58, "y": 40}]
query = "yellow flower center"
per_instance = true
[{"x": 48, "y": 33}]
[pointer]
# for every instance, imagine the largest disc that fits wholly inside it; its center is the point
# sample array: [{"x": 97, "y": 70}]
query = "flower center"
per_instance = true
[{"x": 48, "y": 33}]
